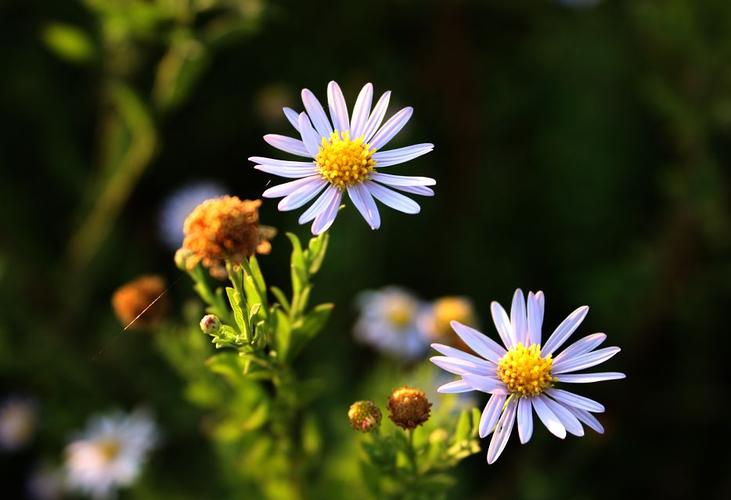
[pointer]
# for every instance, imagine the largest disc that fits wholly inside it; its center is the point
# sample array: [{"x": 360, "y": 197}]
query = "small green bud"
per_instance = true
[
  {"x": 183, "y": 259},
  {"x": 364, "y": 416},
  {"x": 210, "y": 324}
]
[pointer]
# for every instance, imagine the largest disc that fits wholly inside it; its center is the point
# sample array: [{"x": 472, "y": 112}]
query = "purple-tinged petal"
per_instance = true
[
  {"x": 403, "y": 180},
  {"x": 374, "y": 121},
  {"x": 310, "y": 138},
  {"x": 361, "y": 110},
  {"x": 289, "y": 187},
  {"x": 290, "y": 172},
  {"x": 420, "y": 190},
  {"x": 260, "y": 160},
  {"x": 549, "y": 419},
  {"x": 393, "y": 199},
  {"x": 288, "y": 145},
  {"x": 456, "y": 353},
  {"x": 588, "y": 419},
  {"x": 486, "y": 384},
  {"x": 325, "y": 219},
  {"x": 401, "y": 155},
  {"x": 588, "y": 378},
  {"x": 300, "y": 196},
  {"x": 571, "y": 399},
  {"x": 491, "y": 414},
  {"x": 502, "y": 324},
  {"x": 535, "y": 316},
  {"x": 568, "y": 420},
  {"x": 391, "y": 128},
  {"x": 583, "y": 361},
  {"x": 320, "y": 204},
  {"x": 581, "y": 346},
  {"x": 293, "y": 117},
  {"x": 459, "y": 366},
  {"x": 317, "y": 114},
  {"x": 525, "y": 420},
  {"x": 479, "y": 342},
  {"x": 337, "y": 106},
  {"x": 363, "y": 201},
  {"x": 502, "y": 432},
  {"x": 518, "y": 318},
  {"x": 564, "y": 330},
  {"x": 455, "y": 387}
]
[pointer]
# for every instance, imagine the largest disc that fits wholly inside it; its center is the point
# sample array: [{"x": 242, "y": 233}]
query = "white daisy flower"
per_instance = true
[
  {"x": 109, "y": 453},
  {"x": 523, "y": 375},
  {"x": 176, "y": 208},
  {"x": 389, "y": 321},
  {"x": 18, "y": 421},
  {"x": 344, "y": 154}
]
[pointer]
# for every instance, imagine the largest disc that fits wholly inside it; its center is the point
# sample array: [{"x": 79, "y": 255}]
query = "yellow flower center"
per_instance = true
[
  {"x": 524, "y": 371},
  {"x": 109, "y": 449},
  {"x": 400, "y": 312},
  {"x": 343, "y": 161}
]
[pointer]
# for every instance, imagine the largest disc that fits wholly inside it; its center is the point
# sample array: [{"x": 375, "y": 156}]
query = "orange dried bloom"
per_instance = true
[
  {"x": 408, "y": 407},
  {"x": 132, "y": 298},
  {"x": 224, "y": 229}
]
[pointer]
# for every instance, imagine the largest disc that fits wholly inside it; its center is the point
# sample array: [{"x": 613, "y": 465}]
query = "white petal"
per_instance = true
[
  {"x": 583, "y": 361},
  {"x": 420, "y": 190},
  {"x": 325, "y": 219},
  {"x": 588, "y": 378},
  {"x": 291, "y": 172},
  {"x": 403, "y": 180},
  {"x": 301, "y": 196},
  {"x": 361, "y": 110},
  {"x": 374, "y": 121},
  {"x": 293, "y": 117},
  {"x": 288, "y": 187},
  {"x": 317, "y": 114},
  {"x": 288, "y": 144},
  {"x": 338, "y": 108},
  {"x": 485, "y": 384},
  {"x": 525, "y": 420},
  {"x": 393, "y": 199},
  {"x": 363, "y": 201},
  {"x": 518, "y": 317},
  {"x": 502, "y": 324},
  {"x": 320, "y": 204},
  {"x": 459, "y": 366},
  {"x": 401, "y": 155},
  {"x": 456, "y": 353},
  {"x": 588, "y": 419},
  {"x": 549, "y": 419},
  {"x": 260, "y": 160},
  {"x": 571, "y": 399},
  {"x": 581, "y": 346},
  {"x": 535, "y": 316},
  {"x": 568, "y": 420},
  {"x": 455, "y": 387},
  {"x": 391, "y": 128},
  {"x": 479, "y": 342},
  {"x": 491, "y": 414},
  {"x": 502, "y": 432},
  {"x": 564, "y": 330},
  {"x": 310, "y": 138}
]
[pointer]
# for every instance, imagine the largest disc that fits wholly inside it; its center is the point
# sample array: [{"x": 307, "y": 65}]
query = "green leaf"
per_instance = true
[
  {"x": 310, "y": 325},
  {"x": 282, "y": 333},
  {"x": 68, "y": 42},
  {"x": 464, "y": 426},
  {"x": 281, "y": 298},
  {"x": 239, "y": 316},
  {"x": 317, "y": 249}
]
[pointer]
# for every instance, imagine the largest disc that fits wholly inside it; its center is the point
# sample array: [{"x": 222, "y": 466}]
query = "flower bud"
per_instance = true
[
  {"x": 210, "y": 324},
  {"x": 364, "y": 416},
  {"x": 408, "y": 408},
  {"x": 183, "y": 258}
]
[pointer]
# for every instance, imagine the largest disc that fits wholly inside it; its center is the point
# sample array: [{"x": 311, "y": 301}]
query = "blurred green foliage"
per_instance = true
[{"x": 582, "y": 152}]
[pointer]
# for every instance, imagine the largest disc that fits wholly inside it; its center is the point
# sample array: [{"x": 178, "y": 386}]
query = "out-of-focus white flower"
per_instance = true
[
  {"x": 389, "y": 322},
  {"x": 436, "y": 319},
  {"x": 176, "y": 208},
  {"x": 110, "y": 453},
  {"x": 522, "y": 376},
  {"x": 18, "y": 421}
]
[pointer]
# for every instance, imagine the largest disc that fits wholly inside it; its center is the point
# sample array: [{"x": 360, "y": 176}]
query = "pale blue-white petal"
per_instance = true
[
  {"x": 301, "y": 196},
  {"x": 361, "y": 110},
  {"x": 310, "y": 138},
  {"x": 456, "y": 353},
  {"x": 587, "y": 418},
  {"x": 374, "y": 121},
  {"x": 525, "y": 420},
  {"x": 320, "y": 204},
  {"x": 549, "y": 419},
  {"x": 458, "y": 366},
  {"x": 571, "y": 399},
  {"x": 325, "y": 219},
  {"x": 420, "y": 190},
  {"x": 581, "y": 346},
  {"x": 479, "y": 342},
  {"x": 288, "y": 187},
  {"x": 402, "y": 180},
  {"x": 288, "y": 145},
  {"x": 502, "y": 324},
  {"x": 401, "y": 155},
  {"x": 491, "y": 414},
  {"x": 502, "y": 432},
  {"x": 293, "y": 117},
  {"x": 588, "y": 378},
  {"x": 536, "y": 303},
  {"x": 583, "y": 361},
  {"x": 455, "y": 387},
  {"x": 337, "y": 106},
  {"x": 260, "y": 160},
  {"x": 317, "y": 114},
  {"x": 391, "y": 128},
  {"x": 393, "y": 199},
  {"x": 564, "y": 330},
  {"x": 518, "y": 317},
  {"x": 486, "y": 384},
  {"x": 568, "y": 420},
  {"x": 363, "y": 201},
  {"x": 290, "y": 172}
]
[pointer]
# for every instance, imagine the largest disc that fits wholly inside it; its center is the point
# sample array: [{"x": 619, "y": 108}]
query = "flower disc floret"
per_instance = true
[
  {"x": 524, "y": 371},
  {"x": 343, "y": 161}
]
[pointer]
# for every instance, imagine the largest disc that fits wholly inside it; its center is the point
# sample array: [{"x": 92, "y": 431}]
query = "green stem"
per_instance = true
[{"x": 412, "y": 453}]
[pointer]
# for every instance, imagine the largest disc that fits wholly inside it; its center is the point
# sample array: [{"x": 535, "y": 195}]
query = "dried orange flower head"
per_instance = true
[
  {"x": 224, "y": 229},
  {"x": 132, "y": 298},
  {"x": 364, "y": 416},
  {"x": 408, "y": 408}
]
